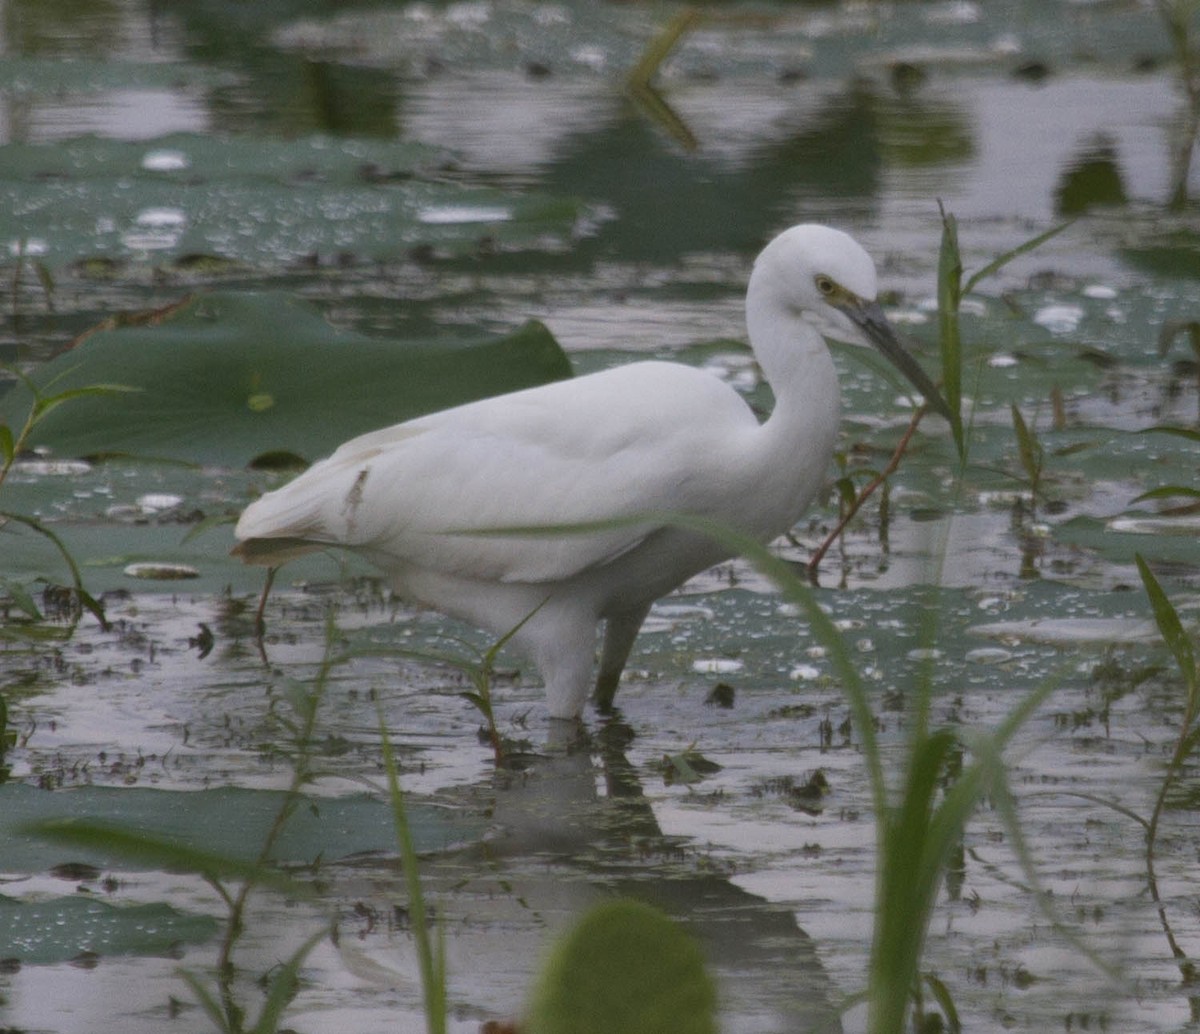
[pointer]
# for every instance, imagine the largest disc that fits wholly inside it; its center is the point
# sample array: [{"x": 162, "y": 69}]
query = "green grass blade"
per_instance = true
[
  {"x": 1029, "y": 449},
  {"x": 48, "y": 403},
  {"x": 1167, "y": 492},
  {"x": 659, "y": 48},
  {"x": 1005, "y": 806},
  {"x": 21, "y": 598},
  {"x": 1169, "y": 626},
  {"x": 208, "y": 1002},
  {"x": 431, "y": 961},
  {"x": 1003, "y": 260},
  {"x": 949, "y": 296},
  {"x": 93, "y": 606},
  {"x": 1192, "y": 434},
  {"x": 285, "y": 981},
  {"x": 911, "y": 863},
  {"x": 945, "y": 1001}
]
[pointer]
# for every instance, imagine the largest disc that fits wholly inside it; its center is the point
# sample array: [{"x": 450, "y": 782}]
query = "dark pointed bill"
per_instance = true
[{"x": 869, "y": 318}]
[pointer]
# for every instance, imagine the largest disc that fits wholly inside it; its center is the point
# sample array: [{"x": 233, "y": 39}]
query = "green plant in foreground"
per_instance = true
[
  {"x": 11, "y": 447},
  {"x": 431, "y": 954},
  {"x": 1182, "y": 650},
  {"x": 624, "y": 968},
  {"x": 233, "y": 879},
  {"x": 918, "y": 825}
]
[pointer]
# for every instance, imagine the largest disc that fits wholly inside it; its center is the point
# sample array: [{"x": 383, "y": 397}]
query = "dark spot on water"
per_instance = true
[
  {"x": 1032, "y": 71},
  {"x": 721, "y": 695}
]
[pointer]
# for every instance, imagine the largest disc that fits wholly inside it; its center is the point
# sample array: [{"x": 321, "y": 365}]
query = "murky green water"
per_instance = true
[{"x": 434, "y": 171}]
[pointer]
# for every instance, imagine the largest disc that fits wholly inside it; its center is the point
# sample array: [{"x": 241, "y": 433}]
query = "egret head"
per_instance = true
[{"x": 824, "y": 277}]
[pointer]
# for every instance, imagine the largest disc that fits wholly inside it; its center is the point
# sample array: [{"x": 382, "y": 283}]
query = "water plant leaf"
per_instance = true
[
  {"x": 949, "y": 297},
  {"x": 284, "y": 983},
  {"x": 20, "y": 598},
  {"x": 1167, "y": 492},
  {"x": 82, "y": 596},
  {"x": 255, "y": 201},
  {"x": 202, "y": 374},
  {"x": 1190, "y": 433},
  {"x": 1000, "y": 261},
  {"x": 1029, "y": 449},
  {"x": 1169, "y": 624},
  {"x": 228, "y": 822},
  {"x": 625, "y": 968},
  {"x": 945, "y": 1001},
  {"x": 431, "y": 954},
  {"x": 59, "y": 929}
]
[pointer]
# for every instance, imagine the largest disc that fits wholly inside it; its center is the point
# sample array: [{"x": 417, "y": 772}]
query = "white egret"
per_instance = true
[{"x": 645, "y": 438}]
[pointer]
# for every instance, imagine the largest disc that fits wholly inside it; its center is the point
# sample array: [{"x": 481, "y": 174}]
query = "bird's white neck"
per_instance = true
[
  {"x": 797, "y": 439},
  {"x": 795, "y": 361}
]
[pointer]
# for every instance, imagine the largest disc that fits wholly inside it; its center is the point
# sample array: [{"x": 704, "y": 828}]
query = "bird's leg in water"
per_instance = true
[
  {"x": 260, "y": 615},
  {"x": 620, "y": 631},
  {"x": 815, "y": 563}
]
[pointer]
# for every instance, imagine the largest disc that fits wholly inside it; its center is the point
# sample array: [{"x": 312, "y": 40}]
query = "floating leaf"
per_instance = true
[
  {"x": 228, "y": 821},
  {"x": 61, "y": 929},
  {"x": 204, "y": 374}
]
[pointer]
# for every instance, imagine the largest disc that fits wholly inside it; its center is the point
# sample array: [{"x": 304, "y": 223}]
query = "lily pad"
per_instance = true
[
  {"x": 60, "y": 929},
  {"x": 229, "y": 821},
  {"x": 228, "y": 378},
  {"x": 256, "y": 201}
]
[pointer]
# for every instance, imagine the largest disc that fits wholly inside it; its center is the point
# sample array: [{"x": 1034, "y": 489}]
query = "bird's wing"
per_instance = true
[{"x": 436, "y": 491}]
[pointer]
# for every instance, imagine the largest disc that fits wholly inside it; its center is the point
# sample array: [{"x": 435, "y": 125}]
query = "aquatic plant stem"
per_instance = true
[
  {"x": 814, "y": 562},
  {"x": 301, "y": 774},
  {"x": 1179, "y": 643},
  {"x": 658, "y": 49},
  {"x": 430, "y": 958}
]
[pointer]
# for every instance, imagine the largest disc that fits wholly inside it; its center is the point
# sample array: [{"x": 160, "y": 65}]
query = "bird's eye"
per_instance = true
[{"x": 825, "y": 285}]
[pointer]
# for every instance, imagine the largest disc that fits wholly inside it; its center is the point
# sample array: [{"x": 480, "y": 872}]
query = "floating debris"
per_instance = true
[
  {"x": 1059, "y": 319},
  {"x": 165, "y": 161},
  {"x": 157, "y": 502},
  {"x": 162, "y": 572},
  {"x": 716, "y": 665}
]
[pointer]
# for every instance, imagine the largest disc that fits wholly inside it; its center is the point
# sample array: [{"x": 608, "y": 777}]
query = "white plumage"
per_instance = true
[{"x": 646, "y": 438}]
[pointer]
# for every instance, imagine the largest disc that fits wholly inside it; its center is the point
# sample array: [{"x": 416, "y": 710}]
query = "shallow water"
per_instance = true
[{"x": 415, "y": 170}]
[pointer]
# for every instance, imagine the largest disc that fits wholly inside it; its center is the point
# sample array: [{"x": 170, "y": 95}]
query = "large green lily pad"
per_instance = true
[
  {"x": 232, "y": 822},
  {"x": 230, "y": 377}
]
